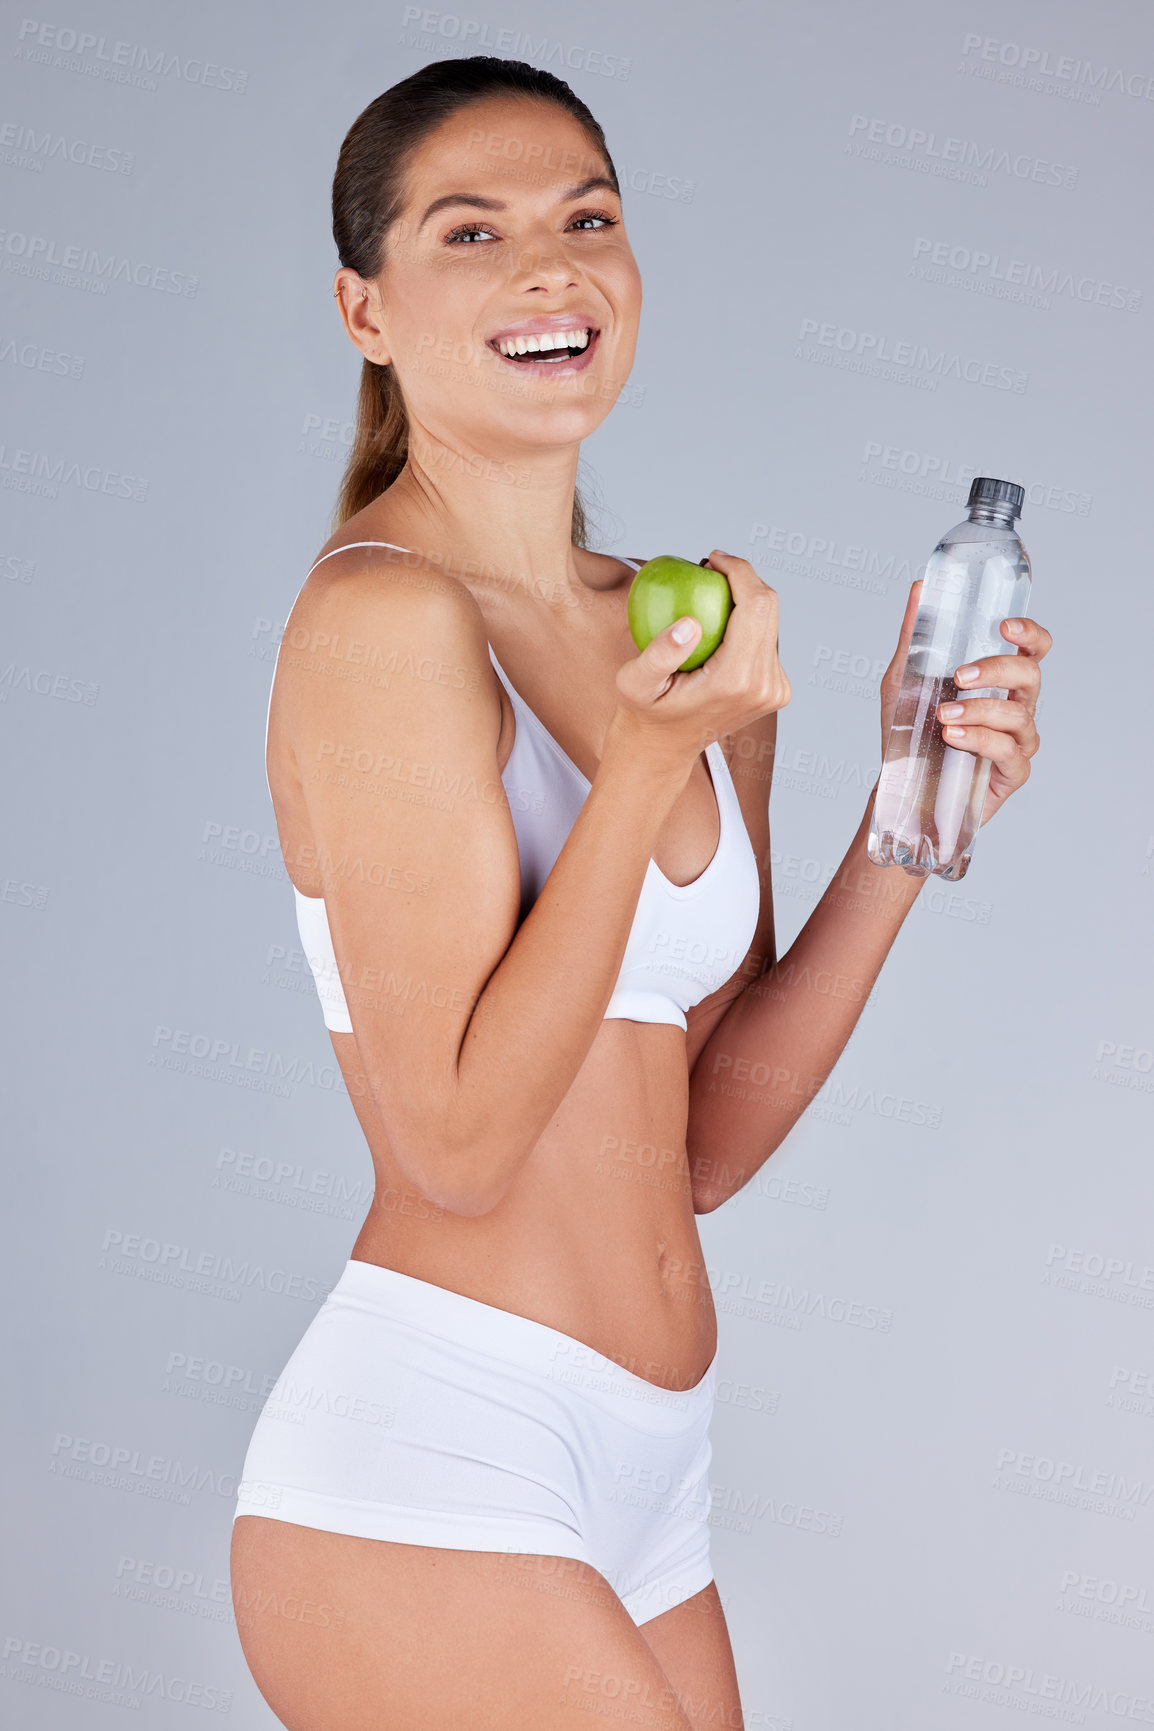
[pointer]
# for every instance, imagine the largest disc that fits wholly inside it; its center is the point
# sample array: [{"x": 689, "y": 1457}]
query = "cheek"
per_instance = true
[
  {"x": 439, "y": 324},
  {"x": 628, "y": 297},
  {"x": 636, "y": 280}
]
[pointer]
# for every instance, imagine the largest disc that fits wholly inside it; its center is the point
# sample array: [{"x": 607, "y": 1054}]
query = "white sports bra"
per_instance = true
[{"x": 686, "y": 939}]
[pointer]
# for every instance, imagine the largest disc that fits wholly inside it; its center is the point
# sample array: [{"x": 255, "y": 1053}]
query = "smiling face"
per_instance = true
[{"x": 511, "y": 242}]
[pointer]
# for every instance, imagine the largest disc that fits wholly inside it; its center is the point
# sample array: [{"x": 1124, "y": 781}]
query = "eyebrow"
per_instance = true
[{"x": 479, "y": 203}]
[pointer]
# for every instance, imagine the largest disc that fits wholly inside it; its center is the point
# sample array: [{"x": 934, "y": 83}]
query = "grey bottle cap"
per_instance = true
[{"x": 986, "y": 491}]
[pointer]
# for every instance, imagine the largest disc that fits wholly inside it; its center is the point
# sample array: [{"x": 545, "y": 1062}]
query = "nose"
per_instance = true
[{"x": 544, "y": 263}]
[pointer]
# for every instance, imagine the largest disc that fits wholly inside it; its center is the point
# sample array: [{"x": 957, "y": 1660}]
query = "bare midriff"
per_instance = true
[{"x": 596, "y": 1235}]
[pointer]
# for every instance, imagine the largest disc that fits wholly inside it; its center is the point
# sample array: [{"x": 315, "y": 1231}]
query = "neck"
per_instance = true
[{"x": 503, "y": 525}]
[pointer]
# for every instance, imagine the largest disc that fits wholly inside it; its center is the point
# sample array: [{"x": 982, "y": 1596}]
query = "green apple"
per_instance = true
[{"x": 667, "y": 588}]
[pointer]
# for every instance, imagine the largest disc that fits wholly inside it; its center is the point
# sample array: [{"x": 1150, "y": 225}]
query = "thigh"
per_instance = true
[
  {"x": 691, "y": 1644},
  {"x": 352, "y": 1634}
]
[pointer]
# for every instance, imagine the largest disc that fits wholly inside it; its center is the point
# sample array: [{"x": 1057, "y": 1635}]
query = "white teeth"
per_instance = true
[{"x": 546, "y": 341}]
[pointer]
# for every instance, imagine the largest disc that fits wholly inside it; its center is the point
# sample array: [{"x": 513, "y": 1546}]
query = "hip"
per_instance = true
[
  {"x": 414, "y": 1414},
  {"x": 395, "y": 1377}
]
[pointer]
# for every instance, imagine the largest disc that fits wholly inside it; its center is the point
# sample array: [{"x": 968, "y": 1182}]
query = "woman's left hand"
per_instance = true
[{"x": 1000, "y": 728}]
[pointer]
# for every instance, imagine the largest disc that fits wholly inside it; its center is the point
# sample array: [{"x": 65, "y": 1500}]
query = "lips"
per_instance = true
[
  {"x": 573, "y": 319},
  {"x": 547, "y": 361}
]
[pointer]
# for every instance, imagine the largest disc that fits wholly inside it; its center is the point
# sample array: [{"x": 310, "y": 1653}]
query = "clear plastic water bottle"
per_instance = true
[{"x": 929, "y": 798}]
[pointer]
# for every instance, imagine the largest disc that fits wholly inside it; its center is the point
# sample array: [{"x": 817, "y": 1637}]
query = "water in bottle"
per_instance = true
[{"x": 929, "y": 797}]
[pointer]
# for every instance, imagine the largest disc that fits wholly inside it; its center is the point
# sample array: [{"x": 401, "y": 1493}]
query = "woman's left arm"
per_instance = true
[{"x": 776, "y": 1041}]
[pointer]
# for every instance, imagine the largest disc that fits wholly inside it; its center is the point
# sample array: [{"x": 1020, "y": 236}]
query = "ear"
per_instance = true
[{"x": 361, "y": 318}]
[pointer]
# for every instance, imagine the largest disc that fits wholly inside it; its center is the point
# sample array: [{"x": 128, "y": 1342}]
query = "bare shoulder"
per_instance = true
[
  {"x": 367, "y": 602},
  {"x": 353, "y": 575},
  {"x": 378, "y": 632}
]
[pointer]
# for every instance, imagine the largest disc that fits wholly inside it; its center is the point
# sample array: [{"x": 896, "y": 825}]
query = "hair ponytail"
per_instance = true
[{"x": 380, "y": 442}]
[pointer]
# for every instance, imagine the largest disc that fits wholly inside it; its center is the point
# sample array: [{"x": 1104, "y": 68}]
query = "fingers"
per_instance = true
[
  {"x": 651, "y": 673},
  {"x": 986, "y": 718},
  {"x": 1001, "y": 747},
  {"x": 753, "y": 628},
  {"x": 744, "y": 581},
  {"x": 1031, "y": 638},
  {"x": 1001, "y": 728},
  {"x": 1018, "y": 672},
  {"x": 892, "y": 676},
  {"x": 913, "y": 600},
  {"x": 1004, "y": 672}
]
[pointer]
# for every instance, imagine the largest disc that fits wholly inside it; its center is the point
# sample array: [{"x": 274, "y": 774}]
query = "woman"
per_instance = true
[{"x": 478, "y": 1494}]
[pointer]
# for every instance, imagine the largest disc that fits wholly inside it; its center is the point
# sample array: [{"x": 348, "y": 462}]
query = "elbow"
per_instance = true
[
  {"x": 711, "y": 1184},
  {"x": 448, "y": 1186},
  {"x": 472, "y": 1206},
  {"x": 706, "y": 1195},
  {"x": 459, "y": 1175},
  {"x": 475, "y": 1160},
  {"x": 461, "y": 1163},
  {"x": 446, "y": 1165},
  {"x": 443, "y": 1181}
]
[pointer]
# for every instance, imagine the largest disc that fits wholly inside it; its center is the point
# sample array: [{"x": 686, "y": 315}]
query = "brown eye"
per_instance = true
[{"x": 467, "y": 230}]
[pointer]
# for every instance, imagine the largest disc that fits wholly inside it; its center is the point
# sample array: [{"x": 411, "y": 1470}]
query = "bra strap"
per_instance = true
[{"x": 348, "y": 544}]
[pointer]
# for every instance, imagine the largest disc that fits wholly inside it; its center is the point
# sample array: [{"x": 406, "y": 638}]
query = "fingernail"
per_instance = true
[
  {"x": 950, "y": 711},
  {"x": 966, "y": 673},
  {"x": 1014, "y": 627},
  {"x": 683, "y": 630}
]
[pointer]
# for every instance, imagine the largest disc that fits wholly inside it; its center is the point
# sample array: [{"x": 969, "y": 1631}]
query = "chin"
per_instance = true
[{"x": 545, "y": 424}]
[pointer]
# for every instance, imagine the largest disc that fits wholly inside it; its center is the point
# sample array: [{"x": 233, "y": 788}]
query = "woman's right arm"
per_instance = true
[{"x": 470, "y": 1028}]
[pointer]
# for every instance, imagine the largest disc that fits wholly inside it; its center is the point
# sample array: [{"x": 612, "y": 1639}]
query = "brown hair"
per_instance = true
[{"x": 369, "y": 194}]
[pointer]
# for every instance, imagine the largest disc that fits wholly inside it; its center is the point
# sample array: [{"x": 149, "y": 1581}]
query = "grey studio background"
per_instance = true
[{"x": 883, "y": 250}]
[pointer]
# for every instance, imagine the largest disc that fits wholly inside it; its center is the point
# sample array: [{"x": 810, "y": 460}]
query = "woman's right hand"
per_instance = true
[{"x": 676, "y": 715}]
